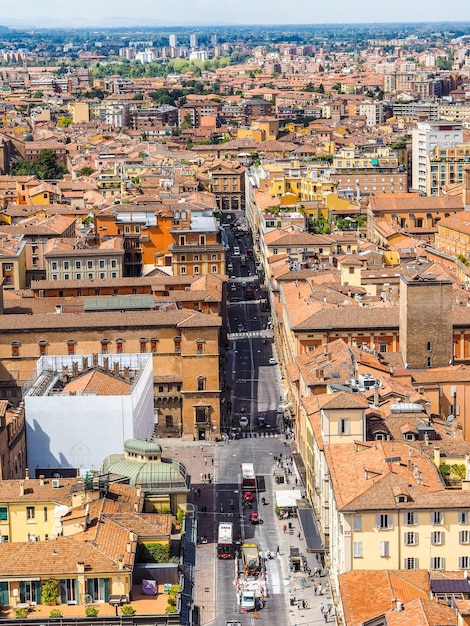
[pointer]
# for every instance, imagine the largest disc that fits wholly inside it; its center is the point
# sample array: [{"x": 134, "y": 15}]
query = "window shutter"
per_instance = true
[
  {"x": 384, "y": 548},
  {"x": 22, "y": 591},
  {"x": 106, "y": 589},
  {"x": 377, "y": 521},
  {"x": 63, "y": 592},
  {"x": 38, "y": 593},
  {"x": 389, "y": 521}
]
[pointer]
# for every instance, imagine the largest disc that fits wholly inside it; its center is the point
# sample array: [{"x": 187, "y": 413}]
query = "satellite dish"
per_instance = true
[{"x": 451, "y": 417}]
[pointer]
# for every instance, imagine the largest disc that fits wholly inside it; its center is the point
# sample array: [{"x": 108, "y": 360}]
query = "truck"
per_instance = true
[
  {"x": 225, "y": 541},
  {"x": 251, "y": 594},
  {"x": 251, "y": 560},
  {"x": 248, "y": 476}
]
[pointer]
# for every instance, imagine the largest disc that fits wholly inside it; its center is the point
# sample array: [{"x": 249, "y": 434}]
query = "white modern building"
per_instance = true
[
  {"x": 80, "y": 410},
  {"x": 373, "y": 111},
  {"x": 425, "y": 137}
]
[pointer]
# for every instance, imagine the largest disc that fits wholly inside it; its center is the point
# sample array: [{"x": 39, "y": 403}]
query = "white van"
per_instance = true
[{"x": 236, "y": 251}]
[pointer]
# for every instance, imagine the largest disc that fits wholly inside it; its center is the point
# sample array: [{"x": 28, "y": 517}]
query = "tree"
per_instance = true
[
  {"x": 45, "y": 166},
  {"x": 64, "y": 122},
  {"x": 138, "y": 96},
  {"x": 187, "y": 122},
  {"x": 37, "y": 95},
  {"x": 85, "y": 171}
]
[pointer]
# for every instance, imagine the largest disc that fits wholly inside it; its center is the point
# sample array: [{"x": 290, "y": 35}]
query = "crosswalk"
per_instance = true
[{"x": 251, "y": 334}]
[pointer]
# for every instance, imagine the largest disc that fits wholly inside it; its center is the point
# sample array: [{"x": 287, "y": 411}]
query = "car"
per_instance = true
[
  {"x": 236, "y": 251},
  {"x": 255, "y": 518},
  {"x": 262, "y": 421},
  {"x": 244, "y": 421},
  {"x": 248, "y": 496},
  {"x": 281, "y": 408},
  {"x": 233, "y": 278},
  {"x": 230, "y": 267},
  {"x": 233, "y": 287},
  {"x": 272, "y": 361},
  {"x": 241, "y": 328}
]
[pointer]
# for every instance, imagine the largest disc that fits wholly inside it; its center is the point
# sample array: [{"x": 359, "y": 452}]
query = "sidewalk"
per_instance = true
[{"x": 314, "y": 590}]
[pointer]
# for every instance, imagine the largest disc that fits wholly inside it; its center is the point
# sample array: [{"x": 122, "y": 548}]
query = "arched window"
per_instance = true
[
  {"x": 71, "y": 343},
  {"x": 201, "y": 383},
  {"x": 104, "y": 346}
]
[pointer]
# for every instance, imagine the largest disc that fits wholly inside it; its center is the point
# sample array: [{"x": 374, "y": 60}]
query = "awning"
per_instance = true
[{"x": 287, "y": 498}]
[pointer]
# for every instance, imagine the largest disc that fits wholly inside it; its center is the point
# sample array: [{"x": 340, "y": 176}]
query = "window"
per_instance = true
[
  {"x": 113, "y": 263},
  {"x": 78, "y": 265},
  {"x": 464, "y": 562},
  {"x": 357, "y": 522},
  {"x": 66, "y": 265},
  {"x": 42, "y": 347},
  {"x": 3, "y": 513},
  {"x": 45, "y": 513},
  {"x": 78, "y": 276},
  {"x": 384, "y": 548},
  {"x": 177, "y": 341},
  {"x": 143, "y": 344},
  {"x": 357, "y": 546},
  {"x": 411, "y": 563},
  {"x": 119, "y": 346},
  {"x": 104, "y": 346},
  {"x": 213, "y": 269},
  {"x": 90, "y": 275},
  {"x": 464, "y": 536},
  {"x": 101, "y": 264},
  {"x": 437, "y": 538},
  {"x": 463, "y": 517},
  {"x": 428, "y": 346},
  {"x": 351, "y": 270},
  {"x": 89, "y": 265},
  {"x": 201, "y": 383},
  {"x": 15, "y": 348},
  {"x": 411, "y": 539},
  {"x": 54, "y": 265},
  {"x": 437, "y": 562},
  {"x": 410, "y": 518},
  {"x": 66, "y": 276},
  {"x": 196, "y": 270},
  {"x": 343, "y": 426},
  {"x": 200, "y": 347},
  {"x": 30, "y": 513},
  {"x": 153, "y": 345},
  {"x": 71, "y": 346},
  {"x": 201, "y": 414},
  {"x": 169, "y": 421},
  {"x": 102, "y": 274},
  {"x": 183, "y": 270},
  {"x": 384, "y": 521},
  {"x": 437, "y": 517},
  {"x": 202, "y": 240}
]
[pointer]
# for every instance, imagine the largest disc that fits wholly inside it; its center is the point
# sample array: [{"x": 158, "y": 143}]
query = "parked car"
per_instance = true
[
  {"x": 248, "y": 496},
  {"x": 272, "y": 361},
  {"x": 255, "y": 518},
  {"x": 261, "y": 421}
]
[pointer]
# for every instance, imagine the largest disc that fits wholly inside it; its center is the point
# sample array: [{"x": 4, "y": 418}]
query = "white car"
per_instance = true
[
  {"x": 272, "y": 361},
  {"x": 244, "y": 421}
]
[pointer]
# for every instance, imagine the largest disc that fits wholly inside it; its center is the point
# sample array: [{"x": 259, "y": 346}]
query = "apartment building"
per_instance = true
[
  {"x": 13, "y": 261},
  {"x": 71, "y": 259},
  {"x": 425, "y": 137},
  {"x": 446, "y": 167},
  {"x": 227, "y": 183},
  {"x": 371, "y": 173}
]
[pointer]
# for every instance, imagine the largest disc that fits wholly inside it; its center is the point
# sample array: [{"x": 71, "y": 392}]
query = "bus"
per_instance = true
[
  {"x": 225, "y": 541},
  {"x": 248, "y": 476}
]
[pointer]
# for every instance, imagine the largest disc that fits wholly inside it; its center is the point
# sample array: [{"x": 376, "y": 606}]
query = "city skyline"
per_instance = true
[{"x": 52, "y": 13}]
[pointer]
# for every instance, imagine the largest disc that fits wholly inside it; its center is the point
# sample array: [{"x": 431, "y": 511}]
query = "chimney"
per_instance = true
[
  {"x": 129, "y": 546},
  {"x": 410, "y": 465},
  {"x": 106, "y": 363},
  {"x": 41, "y": 480},
  {"x": 95, "y": 360},
  {"x": 376, "y": 395},
  {"x": 21, "y": 488},
  {"x": 80, "y": 567},
  {"x": 84, "y": 363},
  {"x": 121, "y": 562},
  {"x": 74, "y": 368},
  {"x": 466, "y": 189},
  {"x": 437, "y": 456},
  {"x": 136, "y": 507},
  {"x": 116, "y": 368},
  {"x": 138, "y": 489},
  {"x": 65, "y": 373},
  {"x": 127, "y": 376},
  {"x": 26, "y": 474}
]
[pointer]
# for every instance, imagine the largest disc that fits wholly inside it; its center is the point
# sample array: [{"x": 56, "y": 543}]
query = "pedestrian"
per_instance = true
[
  {"x": 299, "y": 535},
  {"x": 296, "y": 481},
  {"x": 314, "y": 590},
  {"x": 284, "y": 528},
  {"x": 302, "y": 582},
  {"x": 325, "y": 615},
  {"x": 315, "y": 572},
  {"x": 278, "y": 550},
  {"x": 322, "y": 607},
  {"x": 309, "y": 571},
  {"x": 205, "y": 460},
  {"x": 212, "y": 460},
  {"x": 320, "y": 590}
]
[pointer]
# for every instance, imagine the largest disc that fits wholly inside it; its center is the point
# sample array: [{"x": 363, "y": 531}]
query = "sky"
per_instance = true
[{"x": 53, "y": 13}]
